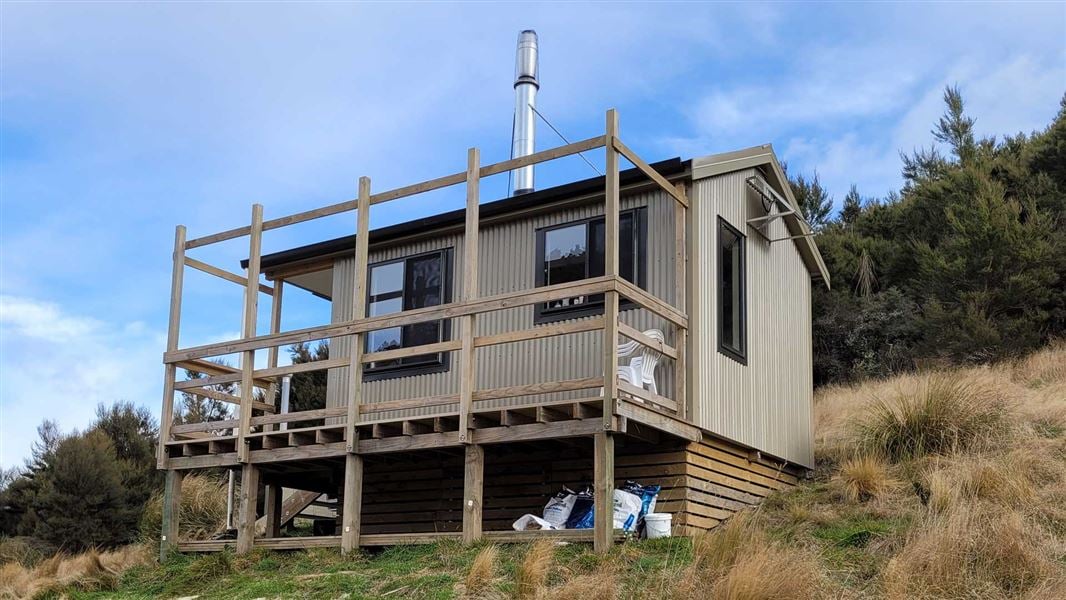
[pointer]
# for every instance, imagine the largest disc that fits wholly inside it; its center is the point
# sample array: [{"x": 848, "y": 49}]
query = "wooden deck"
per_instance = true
[{"x": 257, "y": 442}]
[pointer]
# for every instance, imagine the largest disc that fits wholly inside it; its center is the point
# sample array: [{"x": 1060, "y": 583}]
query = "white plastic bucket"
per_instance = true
[{"x": 657, "y": 525}]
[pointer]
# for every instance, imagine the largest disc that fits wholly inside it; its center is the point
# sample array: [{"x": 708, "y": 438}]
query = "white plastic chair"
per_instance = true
[{"x": 641, "y": 368}]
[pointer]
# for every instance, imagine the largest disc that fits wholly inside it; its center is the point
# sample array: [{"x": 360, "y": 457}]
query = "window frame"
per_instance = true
[
  {"x": 738, "y": 354},
  {"x": 443, "y": 362},
  {"x": 543, "y": 315}
]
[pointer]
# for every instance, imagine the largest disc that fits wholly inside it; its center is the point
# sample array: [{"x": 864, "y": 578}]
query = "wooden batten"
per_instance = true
[
  {"x": 166, "y": 417},
  {"x": 355, "y": 367}
]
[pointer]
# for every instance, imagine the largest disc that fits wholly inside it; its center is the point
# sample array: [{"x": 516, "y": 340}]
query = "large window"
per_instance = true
[
  {"x": 575, "y": 251},
  {"x": 732, "y": 314},
  {"x": 405, "y": 284}
]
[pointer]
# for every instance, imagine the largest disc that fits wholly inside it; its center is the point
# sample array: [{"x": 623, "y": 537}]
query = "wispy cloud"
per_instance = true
[{"x": 60, "y": 365}]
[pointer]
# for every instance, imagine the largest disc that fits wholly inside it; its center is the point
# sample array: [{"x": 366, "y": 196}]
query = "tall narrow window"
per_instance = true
[
  {"x": 575, "y": 251},
  {"x": 406, "y": 284},
  {"x": 732, "y": 314}
]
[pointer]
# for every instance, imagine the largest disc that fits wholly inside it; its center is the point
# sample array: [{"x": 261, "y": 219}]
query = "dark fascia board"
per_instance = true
[{"x": 346, "y": 244}]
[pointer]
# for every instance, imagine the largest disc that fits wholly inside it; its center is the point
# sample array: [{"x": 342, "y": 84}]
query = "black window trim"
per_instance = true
[
  {"x": 442, "y": 365},
  {"x": 542, "y": 315},
  {"x": 741, "y": 355}
]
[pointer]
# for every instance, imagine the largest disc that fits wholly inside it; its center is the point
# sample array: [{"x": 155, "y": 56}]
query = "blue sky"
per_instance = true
[{"x": 118, "y": 121}]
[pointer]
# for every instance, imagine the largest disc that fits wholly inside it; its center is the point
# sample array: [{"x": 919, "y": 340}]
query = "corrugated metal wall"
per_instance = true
[
  {"x": 507, "y": 256},
  {"x": 767, "y": 403}
]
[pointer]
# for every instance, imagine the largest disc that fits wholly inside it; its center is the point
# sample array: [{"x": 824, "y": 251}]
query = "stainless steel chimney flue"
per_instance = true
[{"x": 525, "y": 97}]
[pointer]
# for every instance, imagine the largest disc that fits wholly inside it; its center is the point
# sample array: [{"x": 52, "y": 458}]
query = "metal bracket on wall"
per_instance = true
[{"x": 771, "y": 200}]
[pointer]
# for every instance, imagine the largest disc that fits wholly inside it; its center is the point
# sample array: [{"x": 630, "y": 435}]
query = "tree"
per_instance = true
[
  {"x": 955, "y": 128},
  {"x": 133, "y": 434},
  {"x": 852, "y": 207},
  {"x": 813, "y": 200},
  {"x": 81, "y": 503}
]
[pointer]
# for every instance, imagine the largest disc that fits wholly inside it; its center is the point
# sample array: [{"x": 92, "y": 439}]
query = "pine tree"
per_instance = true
[
  {"x": 813, "y": 200},
  {"x": 81, "y": 502},
  {"x": 852, "y": 207}
]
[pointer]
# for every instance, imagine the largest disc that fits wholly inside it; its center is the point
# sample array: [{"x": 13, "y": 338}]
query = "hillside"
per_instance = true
[{"x": 948, "y": 484}]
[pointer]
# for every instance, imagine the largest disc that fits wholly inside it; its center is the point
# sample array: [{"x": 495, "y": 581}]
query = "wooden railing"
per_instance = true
[{"x": 466, "y": 309}]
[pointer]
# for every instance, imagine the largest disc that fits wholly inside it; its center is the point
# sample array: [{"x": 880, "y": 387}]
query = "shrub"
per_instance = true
[
  {"x": 202, "y": 513},
  {"x": 945, "y": 414}
]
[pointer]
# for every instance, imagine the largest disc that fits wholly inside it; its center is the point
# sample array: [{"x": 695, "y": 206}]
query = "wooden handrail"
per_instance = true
[
  {"x": 504, "y": 301},
  {"x": 403, "y": 192}
]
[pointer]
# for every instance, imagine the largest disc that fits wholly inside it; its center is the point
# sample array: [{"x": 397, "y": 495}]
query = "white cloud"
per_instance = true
[{"x": 60, "y": 365}]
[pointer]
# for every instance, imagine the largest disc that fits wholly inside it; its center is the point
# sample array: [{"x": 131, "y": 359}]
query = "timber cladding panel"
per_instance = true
[
  {"x": 507, "y": 263},
  {"x": 768, "y": 402},
  {"x": 702, "y": 483}
]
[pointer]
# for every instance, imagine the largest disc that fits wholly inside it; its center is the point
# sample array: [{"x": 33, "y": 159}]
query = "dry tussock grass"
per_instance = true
[
  {"x": 478, "y": 582},
  {"x": 737, "y": 561},
  {"x": 602, "y": 584},
  {"x": 91, "y": 570},
  {"x": 531, "y": 576},
  {"x": 203, "y": 510},
  {"x": 984, "y": 451},
  {"x": 969, "y": 553},
  {"x": 864, "y": 477}
]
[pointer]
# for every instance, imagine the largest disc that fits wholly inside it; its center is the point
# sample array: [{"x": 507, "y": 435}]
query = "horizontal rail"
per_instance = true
[
  {"x": 301, "y": 415},
  {"x": 639, "y": 336},
  {"x": 505, "y": 301},
  {"x": 190, "y": 384},
  {"x": 204, "y": 426},
  {"x": 539, "y": 332},
  {"x": 230, "y": 398},
  {"x": 403, "y": 192},
  {"x": 647, "y": 396},
  {"x": 307, "y": 367},
  {"x": 448, "y": 346},
  {"x": 224, "y": 274},
  {"x": 543, "y": 156},
  {"x": 408, "y": 403},
  {"x": 651, "y": 303},
  {"x": 548, "y": 387},
  {"x": 654, "y": 175}
]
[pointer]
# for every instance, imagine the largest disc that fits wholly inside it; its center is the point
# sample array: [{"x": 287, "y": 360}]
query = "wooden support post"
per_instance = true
[
  {"x": 468, "y": 354},
  {"x": 612, "y": 194},
  {"x": 603, "y": 489},
  {"x": 272, "y": 510},
  {"x": 177, "y": 276},
  {"x": 473, "y": 493},
  {"x": 247, "y": 517},
  {"x": 272, "y": 352},
  {"x": 352, "y": 507},
  {"x": 251, "y": 310},
  {"x": 681, "y": 303},
  {"x": 355, "y": 351},
  {"x": 168, "y": 539}
]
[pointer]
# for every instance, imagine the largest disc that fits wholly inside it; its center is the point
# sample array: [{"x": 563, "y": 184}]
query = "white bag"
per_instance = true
[
  {"x": 558, "y": 509},
  {"x": 626, "y": 510},
  {"x": 532, "y": 523}
]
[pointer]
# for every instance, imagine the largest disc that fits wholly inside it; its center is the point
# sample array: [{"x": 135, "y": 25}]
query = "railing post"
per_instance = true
[
  {"x": 603, "y": 491},
  {"x": 246, "y": 517},
  {"x": 168, "y": 539},
  {"x": 272, "y": 352},
  {"x": 351, "y": 509},
  {"x": 251, "y": 310},
  {"x": 474, "y": 465},
  {"x": 681, "y": 303},
  {"x": 468, "y": 369},
  {"x": 610, "y": 307},
  {"x": 177, "y": 276}
]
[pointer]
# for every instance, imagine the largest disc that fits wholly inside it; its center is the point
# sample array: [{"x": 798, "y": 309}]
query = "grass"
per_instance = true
[{"x": 937, "y": 485}]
